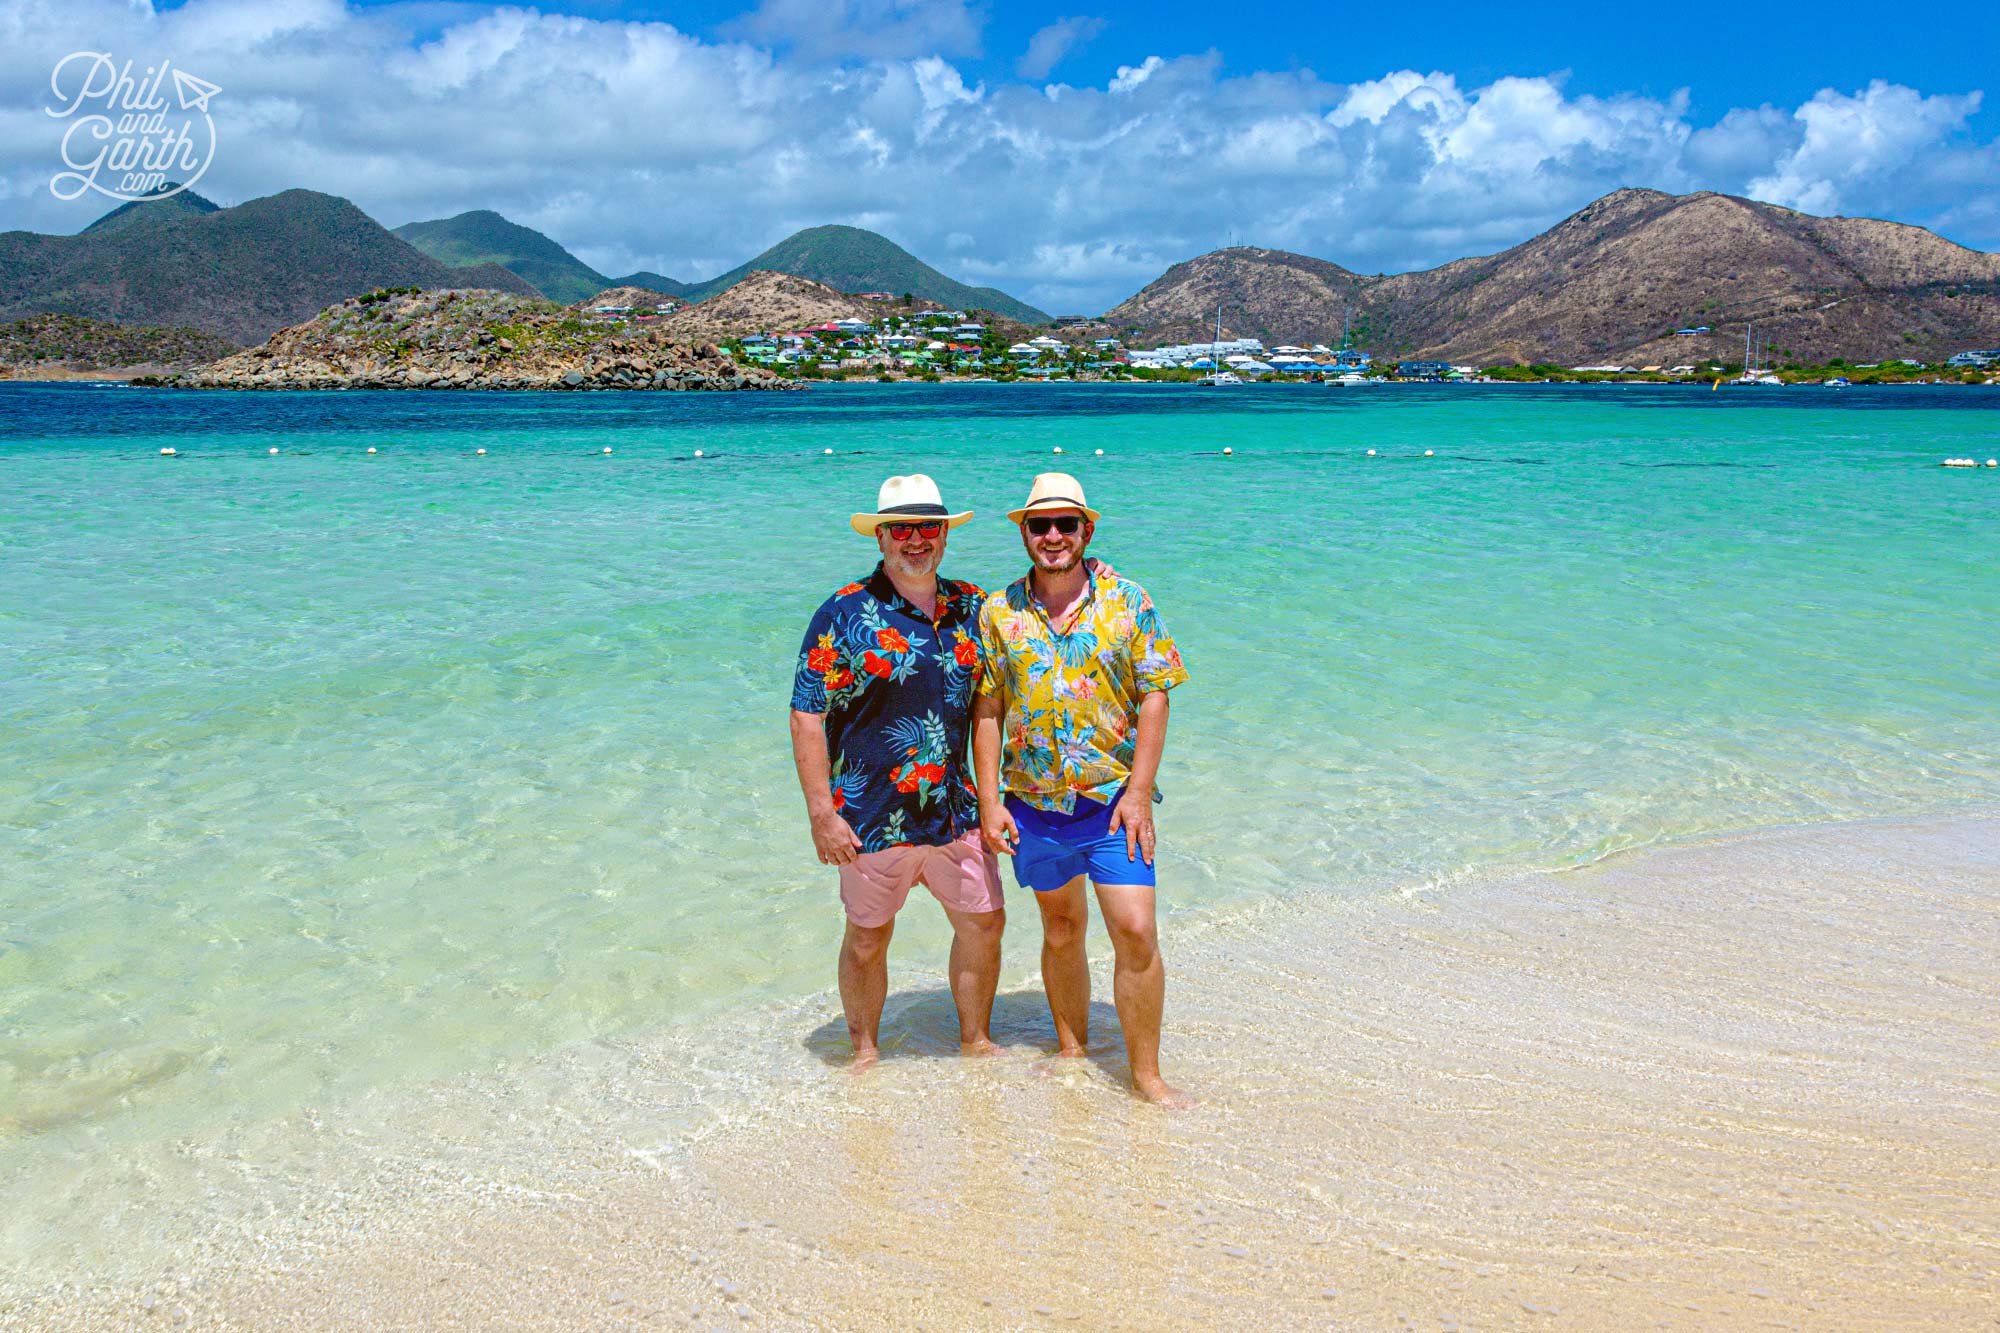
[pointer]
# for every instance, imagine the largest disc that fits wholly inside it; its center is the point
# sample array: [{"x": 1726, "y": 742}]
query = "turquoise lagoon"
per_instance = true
[{"x": 327, "y": 774}]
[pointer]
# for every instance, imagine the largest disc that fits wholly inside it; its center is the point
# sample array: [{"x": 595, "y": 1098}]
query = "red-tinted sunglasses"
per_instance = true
[{"x": 900, "y": 532}]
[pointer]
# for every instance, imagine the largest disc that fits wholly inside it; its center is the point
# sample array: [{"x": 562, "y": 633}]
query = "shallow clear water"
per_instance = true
[{"x": 328, "y": 772}]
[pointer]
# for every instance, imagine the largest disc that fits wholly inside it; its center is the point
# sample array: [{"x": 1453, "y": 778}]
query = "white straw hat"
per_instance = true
[
  {"x": 903, "y": 499},
  {"x": 1054, "y": 490}
]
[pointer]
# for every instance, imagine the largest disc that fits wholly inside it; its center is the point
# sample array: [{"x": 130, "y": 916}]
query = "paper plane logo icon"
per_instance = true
[{"x": 194, "y": 93}]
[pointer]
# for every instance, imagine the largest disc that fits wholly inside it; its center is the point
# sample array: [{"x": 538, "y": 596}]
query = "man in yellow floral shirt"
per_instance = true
[{"x": 1076, "y": 664}]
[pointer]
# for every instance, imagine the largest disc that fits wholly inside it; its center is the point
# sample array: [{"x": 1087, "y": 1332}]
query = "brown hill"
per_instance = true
[
  {"x": 1269, "y": 294},
  {"x": 1611, "y": 283},
  {"x": 765, "y": 302},
  {"x": 240, "y": 272},
  {"x": 638, "y": 298},
  {"x": 456, "y": 339}
]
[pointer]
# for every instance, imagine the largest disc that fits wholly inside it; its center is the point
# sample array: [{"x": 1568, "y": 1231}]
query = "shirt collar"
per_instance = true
[
  {"x": 1034, "y": 603},
  {"x": 883, "y": 589}
]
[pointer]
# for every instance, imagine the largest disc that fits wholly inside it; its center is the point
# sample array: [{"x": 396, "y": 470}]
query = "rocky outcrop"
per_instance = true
[
  {"x": 470, "y": 340},
  {"x": 767, "y": 302}
]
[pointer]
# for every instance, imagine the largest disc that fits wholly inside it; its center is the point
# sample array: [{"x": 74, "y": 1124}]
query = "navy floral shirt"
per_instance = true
[{"x": 896, "y": 689}]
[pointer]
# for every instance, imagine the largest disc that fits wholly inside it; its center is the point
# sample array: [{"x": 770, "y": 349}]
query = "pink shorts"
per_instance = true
[{"x": 962, "y": 875}]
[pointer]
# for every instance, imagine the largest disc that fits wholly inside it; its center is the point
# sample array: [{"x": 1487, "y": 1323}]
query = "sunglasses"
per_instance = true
[
  {"x": 901, "y": 532},
  {"x": 1066, "y": 524}
]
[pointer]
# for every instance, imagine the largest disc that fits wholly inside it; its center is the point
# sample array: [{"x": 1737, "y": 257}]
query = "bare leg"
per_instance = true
[
  {"x": 864, "y": 985},
  {"x": 1139, "y": 985},
  {"x": 1065, "y": 969},
  {"x": 975, "y": 975}
]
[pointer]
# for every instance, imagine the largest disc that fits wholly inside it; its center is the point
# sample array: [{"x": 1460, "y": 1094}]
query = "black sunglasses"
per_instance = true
[
  {"x": 900, "y": 532},
  {"x": 1066, "y": 524}
]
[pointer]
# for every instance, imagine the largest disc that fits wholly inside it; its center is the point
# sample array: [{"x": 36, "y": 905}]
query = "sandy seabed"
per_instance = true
[{"x": 1746, "y": 1083}]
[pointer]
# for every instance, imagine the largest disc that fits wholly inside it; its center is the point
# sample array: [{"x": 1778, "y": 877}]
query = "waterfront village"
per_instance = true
[{"x": 939, "y": 344}]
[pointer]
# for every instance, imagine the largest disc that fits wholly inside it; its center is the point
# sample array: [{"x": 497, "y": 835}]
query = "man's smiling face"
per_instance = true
[
  {"x": 913, "y": 554},
  {"x": 1054, "y": 550}
]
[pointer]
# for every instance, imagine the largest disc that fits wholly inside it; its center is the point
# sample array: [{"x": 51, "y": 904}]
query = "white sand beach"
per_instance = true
[{"x": 1745, "y": 1083}]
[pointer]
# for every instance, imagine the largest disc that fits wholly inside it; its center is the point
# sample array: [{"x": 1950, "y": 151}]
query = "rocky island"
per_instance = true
[{"x": 403, "y": 338}]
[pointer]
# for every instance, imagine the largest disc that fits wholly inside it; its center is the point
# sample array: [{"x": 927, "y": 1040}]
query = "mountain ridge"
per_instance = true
[
  {"x": 241, "y": 272},
  {"x": 1612, "y": 281}
]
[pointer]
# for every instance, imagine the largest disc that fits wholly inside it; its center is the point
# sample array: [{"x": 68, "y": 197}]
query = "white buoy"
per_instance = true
[
  {"x": 607, "y": 448},
  {"x": 273, "y": 449},
  {"x": 371, "y": 448},
  {"x": 1227, "y": 450},
  {"x": 479, "y": 451},
  {"x": 697, "y": 453},
  {"x": 826, "y": 451},
  {"x": 1100, "y": 453},
  {"x": 169, "y": 452},
  {"x": 1058, "y": 448},
  {"x": 1371, "y": 453},
  {"x": 1427, "y": 453},
  {"x": 1993, "y": 462}
]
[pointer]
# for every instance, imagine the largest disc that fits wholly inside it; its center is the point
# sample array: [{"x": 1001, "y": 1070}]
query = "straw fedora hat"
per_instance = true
[
  {"x": 902, "y": 499},
  {"x": 1053, "y": 490}
]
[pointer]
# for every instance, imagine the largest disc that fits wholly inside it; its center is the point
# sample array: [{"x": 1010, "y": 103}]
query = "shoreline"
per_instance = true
[{"x": 1579, "y": 1098}]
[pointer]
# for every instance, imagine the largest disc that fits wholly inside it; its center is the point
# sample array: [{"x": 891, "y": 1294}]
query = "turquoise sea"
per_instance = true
[{"x": 326, "y": 774}]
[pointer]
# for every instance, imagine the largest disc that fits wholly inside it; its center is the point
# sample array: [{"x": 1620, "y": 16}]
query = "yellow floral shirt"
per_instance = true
[{"x": 1073, "y": 690}]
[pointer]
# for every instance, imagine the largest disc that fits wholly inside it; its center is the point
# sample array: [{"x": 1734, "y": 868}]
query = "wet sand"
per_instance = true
[{"x": 1746, "y": 1083}]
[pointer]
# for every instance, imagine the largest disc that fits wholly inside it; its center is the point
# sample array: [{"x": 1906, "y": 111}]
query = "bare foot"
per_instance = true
[
  {"x": 865, "y": 1060},
  {"x": 1072, "y": 1053},
  {"x": 981, "y": 1046},
  {"x": 1156, "y": 1090}
]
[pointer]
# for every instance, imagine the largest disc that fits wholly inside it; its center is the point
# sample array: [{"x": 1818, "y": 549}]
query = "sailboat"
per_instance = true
[
  {"x": 1218, "y": 376},
  {"x": 1752, "y": 372}
]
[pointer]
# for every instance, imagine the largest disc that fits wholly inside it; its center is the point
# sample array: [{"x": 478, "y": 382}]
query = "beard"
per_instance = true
[
  {"x": 920, "y": 567},
  {"x": 1061, "y": 564}
]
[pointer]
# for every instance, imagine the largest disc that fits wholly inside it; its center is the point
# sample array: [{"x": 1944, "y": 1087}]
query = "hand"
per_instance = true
[
  {"x": 1134, "y": 814},
  {"x": 833, "y": 838},
  {"x": 997, "y": 829}
]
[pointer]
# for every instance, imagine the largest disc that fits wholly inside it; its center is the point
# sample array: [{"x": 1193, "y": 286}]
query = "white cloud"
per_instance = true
[
  {"x": 641, "y": 146},
  {"x": 1052, "y": 44},
  {"x": 1854, "y": 144},
  {"x": 1131, "y": 76}
]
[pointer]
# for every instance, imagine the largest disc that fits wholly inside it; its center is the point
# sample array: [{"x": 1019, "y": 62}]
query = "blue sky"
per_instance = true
[{"x": 1066, "y": 153}]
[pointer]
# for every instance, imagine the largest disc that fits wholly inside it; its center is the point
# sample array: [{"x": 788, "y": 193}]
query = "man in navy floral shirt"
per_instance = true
[{"x": 880, "y": 708}]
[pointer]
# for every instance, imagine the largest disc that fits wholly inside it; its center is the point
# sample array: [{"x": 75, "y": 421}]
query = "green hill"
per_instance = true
[
  {"x": 851, "y": 259},
  {"x": 241, "y": 272},
  {"x": 184, "y": 201},
  {"x": 484, "y": 237},
  {"x": 654, "y": 282},
  {"x": 847, "y": 259}
]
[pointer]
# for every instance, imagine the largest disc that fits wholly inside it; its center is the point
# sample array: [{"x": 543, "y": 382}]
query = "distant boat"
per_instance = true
[
  {"x": 1752, "y": 372},
  {"x": 1351, "y": 377},
  {"x": 1838, "y": 382},
  {"x": 1219, "y": 376}
]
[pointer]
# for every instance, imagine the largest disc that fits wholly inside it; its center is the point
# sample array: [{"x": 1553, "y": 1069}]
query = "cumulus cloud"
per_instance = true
[
  {"x": 1050, "y": 45},
  {"x": 638, "y": 145},
  {"x": 1852, "y": 145}
]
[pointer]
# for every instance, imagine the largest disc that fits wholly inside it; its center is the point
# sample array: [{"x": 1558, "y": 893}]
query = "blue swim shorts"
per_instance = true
[{"x": 1055, "y": 848}]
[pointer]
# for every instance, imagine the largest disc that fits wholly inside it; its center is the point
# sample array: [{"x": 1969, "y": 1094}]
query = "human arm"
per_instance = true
[
  {"x": 996, "y": 826},
  {"x": 1134, "y": 811},
  {"x": 833, "y": 838}
]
